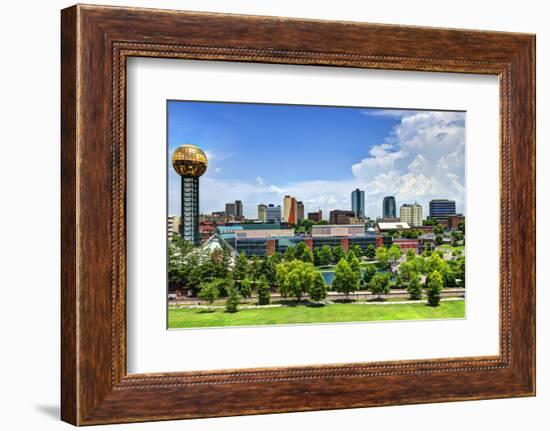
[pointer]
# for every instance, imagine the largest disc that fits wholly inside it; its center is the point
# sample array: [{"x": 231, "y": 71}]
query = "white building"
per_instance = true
[
  {"x": 174, "y": 223},
  {"x": 411, "y": 214}
]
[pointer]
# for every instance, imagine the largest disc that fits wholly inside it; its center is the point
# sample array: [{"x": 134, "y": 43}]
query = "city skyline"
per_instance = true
[{"x": 415, "y": 156}]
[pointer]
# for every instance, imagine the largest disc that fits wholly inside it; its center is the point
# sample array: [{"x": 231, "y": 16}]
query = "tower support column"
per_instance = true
[{"x": 189, "y": 229}]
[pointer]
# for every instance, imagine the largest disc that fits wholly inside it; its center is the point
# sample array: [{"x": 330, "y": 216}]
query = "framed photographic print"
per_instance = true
[{"x": 324, "y": 214}]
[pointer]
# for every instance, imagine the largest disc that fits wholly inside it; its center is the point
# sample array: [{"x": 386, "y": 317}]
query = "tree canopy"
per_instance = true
[{"x": 346, "y": 280}]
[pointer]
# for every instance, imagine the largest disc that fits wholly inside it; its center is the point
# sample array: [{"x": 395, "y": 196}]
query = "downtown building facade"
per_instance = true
[
  {"x": 174, "y": 226},
  {"x": 315, "y": 216},
  {"x": 441, "y": 209},
  {"x": 262, "y": 212},
  {"x": 273, "y": 214},
  {"x": 290, "y": 209},
  {"x": 234, "y": 210},
  {"x": 340, "y": 216},
  {"x": 411, "y": 214},
  {"x": 265, "y": 240},
  {"x": 299, "y": 211}
]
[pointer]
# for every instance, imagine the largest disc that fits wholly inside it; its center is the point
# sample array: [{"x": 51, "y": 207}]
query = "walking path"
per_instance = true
[{"x": 244, "y": 307}]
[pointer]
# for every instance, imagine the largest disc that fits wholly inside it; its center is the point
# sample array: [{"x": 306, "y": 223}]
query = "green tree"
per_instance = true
[
  {"x": 394, "y": 254},
  {"x": 268, "y": 270},
  {"x": 379, "y": 284},
  {"x": 460, "y": 271},
  {"x": 295, "y": 278},
  {"x": 233, "y": 299},
  {"x": 222, "y": 284},
  {"x": 382, "y": 257},
  {"x": 435, "y": 263},
  {"x": 338, "y": 253},
  {"x": 178, "y": 249},
  {"x": 326, "y": 255},
  {"x": 256, "y": 269},
  {"x": 370, "y": 253},
  {"x": 418, "y": 265},
  {"x": 318, "y": 290},
  {"x": 415, "y": 289},
  {"x": 345, "y": 280},
  {"x": 411, "y": 254},
  {"x": 429, "y": 222},
  {"x": 264, "y": 294},
  {"x": 438, "y": 239},
  {"x": 457, "y": 237},
  {"x": 201, "y": 270},
  {"x": 354, "y": 263},
  {"x": 306, "y": 225},
  {"x": 209, "y": 292},
  {"x": 438, "y": 230},
  {"x": 282, "y": 269},
  {"x": 242, "y": 268},
  {"x": 289, "y": 254},
  {"x": 276, "y": 258},
  {"x": 368, "y": 273},
  {"x": 449, "y": 276},
  {"x": 245, "y": 288},
  {"x": 222, "y": 260},
  {"x": 317, "y": 257},
  {"x": 434, "y": 285},
  {"x": 303, "y": 253},
  {"x": 411, "y": 233},
  {"x": 356, "y": 250},
  {"x": 407, "y": 270}
]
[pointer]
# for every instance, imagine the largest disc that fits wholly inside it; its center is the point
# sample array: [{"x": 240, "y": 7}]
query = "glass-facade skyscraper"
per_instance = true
[
  {"x": 389, "y": 208},
  {"x": 441, "y": 209},
  {"x": 358, "y": 202}
]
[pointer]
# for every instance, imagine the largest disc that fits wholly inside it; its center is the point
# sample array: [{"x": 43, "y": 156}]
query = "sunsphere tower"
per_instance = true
[{"x": 190, "y": 163}]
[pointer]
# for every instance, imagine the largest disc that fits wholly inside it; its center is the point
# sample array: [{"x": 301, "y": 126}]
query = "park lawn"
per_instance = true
[{"x": 201, "y": 318}]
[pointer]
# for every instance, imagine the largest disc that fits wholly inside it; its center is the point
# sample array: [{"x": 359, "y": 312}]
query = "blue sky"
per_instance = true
[{"x": 259, "y": 152}]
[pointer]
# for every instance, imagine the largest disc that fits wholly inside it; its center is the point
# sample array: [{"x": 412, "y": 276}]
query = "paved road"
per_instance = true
[{"x": 332, "y": 296}]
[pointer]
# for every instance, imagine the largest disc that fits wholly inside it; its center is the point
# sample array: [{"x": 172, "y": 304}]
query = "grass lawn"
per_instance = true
[{"x": 200, "y": 318}]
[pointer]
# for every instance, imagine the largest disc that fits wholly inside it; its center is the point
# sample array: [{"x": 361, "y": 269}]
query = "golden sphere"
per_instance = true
[{"x": 189, "y": 161}]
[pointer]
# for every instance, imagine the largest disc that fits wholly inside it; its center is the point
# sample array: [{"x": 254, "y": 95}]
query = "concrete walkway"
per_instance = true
[{"x": 244, "y": 307}]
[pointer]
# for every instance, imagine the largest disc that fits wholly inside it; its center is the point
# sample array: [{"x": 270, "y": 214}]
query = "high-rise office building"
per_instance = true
[
  {"x": 234, "y": 210},
  {"x": 300, "y": 211},
  {"x": 358, "y": 203},
  {"x": 190, "y": 163},
  {"x": 262, "y": 212},
  {"x": 273, "y": 213},
  {"x": 389, "y": 209},
  {"x": 441, "y": 209},
  {"x": 411, "y": 214},
  {"x": 290, "y": 209},
  {"x": 239, "y": 209},
  {"x": 230, "y": 210}
]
